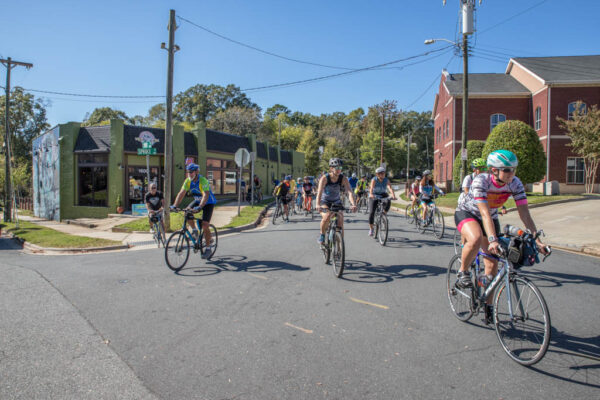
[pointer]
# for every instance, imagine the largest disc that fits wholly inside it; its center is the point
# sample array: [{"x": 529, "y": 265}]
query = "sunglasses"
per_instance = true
[{"x": 507, "y": 170}]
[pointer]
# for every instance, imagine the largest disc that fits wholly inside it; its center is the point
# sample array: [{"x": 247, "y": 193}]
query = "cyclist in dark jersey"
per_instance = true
[
  {"x": 307, "y": 189},
  {"x": 331, "y": 186},
  {"x": 281, "y": 192}
]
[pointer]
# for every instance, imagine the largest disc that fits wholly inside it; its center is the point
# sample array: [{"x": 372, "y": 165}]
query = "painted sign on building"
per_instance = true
[{"x": 46, "y": 176}]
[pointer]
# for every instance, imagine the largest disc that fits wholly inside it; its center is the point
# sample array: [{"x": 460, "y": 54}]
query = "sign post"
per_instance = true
[
  {"x": 242, "y": 157},
  {"x": 253, "y": 159},
  {"x": 147, "y": 139}
]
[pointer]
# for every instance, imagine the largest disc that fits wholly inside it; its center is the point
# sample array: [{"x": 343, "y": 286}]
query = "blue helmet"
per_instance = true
[{"x": 192, "y": 167}]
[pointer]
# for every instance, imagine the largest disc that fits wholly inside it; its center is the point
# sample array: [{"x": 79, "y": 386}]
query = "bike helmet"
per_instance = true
[
  {"x": 306, "y": 177},
  {"x": 502, "y": 159},
  {"x": 380, "y": 169},
  {"x": 335, "y": 162},
  {"x": 192, "y": 167},
  {"x": 479, "y": 163},
  {"x": 426, "y": 172},
  {"x": 418, "y": 178},
  {"x": 288, "y": 178},
  {"x": 354, "y": 175}
]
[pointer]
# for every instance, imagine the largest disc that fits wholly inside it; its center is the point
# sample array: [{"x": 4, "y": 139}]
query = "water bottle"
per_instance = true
[
  {"x": 510, "y": 230},
  {"x": 484, "y": 280},
  {"x": 331, "y": 232}
]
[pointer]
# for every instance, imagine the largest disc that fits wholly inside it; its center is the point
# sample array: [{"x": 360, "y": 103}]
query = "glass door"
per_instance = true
[{"x": 137, "y": 183}]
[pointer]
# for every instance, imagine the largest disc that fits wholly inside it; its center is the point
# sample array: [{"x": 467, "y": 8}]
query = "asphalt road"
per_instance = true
[{"x": 266, "y": 319}]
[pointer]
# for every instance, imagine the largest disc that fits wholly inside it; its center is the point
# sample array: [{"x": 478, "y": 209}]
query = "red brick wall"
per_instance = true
[{"x": 444, "y": 154}]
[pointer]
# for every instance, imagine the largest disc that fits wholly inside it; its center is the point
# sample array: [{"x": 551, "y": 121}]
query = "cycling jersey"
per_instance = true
[
  {"x": 468, "y": 181},
  {"x": 282, "y": 189},
  {"x": 485, "y": 189},
  {"x": 380, "y": 187},
  {"x": 307, "y": 187},
  {"x": 361, "y": 186},
  {"x": 352, "y": 182},
  {"x": 414, "y": 188},
  {"x": 198, "y": 187},
  {"x": 427, "y": 190},
  {"x": 292, "y": 186}
]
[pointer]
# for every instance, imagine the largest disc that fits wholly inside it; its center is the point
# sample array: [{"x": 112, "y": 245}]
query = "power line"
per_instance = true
[
  {"x": 92, "y": 95},
  {"x": 430, "y": 85},
  {"x": 320, "y": 78},
  {"x": 514, "y": 16}
]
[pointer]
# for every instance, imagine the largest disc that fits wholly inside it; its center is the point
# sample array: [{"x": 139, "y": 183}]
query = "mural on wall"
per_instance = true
[{"x": 46, "y": 176}]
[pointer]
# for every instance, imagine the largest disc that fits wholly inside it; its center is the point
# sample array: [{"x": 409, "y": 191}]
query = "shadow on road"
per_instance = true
[
  {"x": 572, "y": 359},
  {"x": 556, "y": 279},
  {"x": 235, "y": 263},
  {"x": 9, "y": 244},
  {"x": 364, "y": 272}
]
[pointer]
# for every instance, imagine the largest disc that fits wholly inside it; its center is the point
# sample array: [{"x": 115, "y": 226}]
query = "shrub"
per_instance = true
[
  {"x": 522, "y": 140},
  {"x": 474, "y": 148}
]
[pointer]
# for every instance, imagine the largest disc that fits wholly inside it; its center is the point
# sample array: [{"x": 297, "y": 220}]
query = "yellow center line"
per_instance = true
[
  {"x": 369, "y": 303},
  {"x": 297, "y": 327},
  {"x": 258, "y": 276}
]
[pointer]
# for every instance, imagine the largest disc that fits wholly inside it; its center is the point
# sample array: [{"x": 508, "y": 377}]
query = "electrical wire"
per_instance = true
[
  {"x": 321, "y": 78},
  {"x": 92, "y": 95},
  {"x": 430, "y": 85},
  {"x": 514, "y": 16}
]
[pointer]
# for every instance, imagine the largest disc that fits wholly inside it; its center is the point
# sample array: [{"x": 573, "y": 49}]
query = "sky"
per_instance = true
[{"x": 112, "y": 48}]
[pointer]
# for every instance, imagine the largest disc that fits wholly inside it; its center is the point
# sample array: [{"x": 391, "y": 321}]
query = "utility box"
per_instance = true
[{"x": 551, "y": 188}]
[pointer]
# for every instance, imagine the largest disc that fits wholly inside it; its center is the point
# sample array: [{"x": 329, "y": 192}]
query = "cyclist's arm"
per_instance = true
[
  {"x": 525, "y": 216},
  {"x": 371, "y": 187},
  {"x": 320, "y": 189},
  {"x": 162, "y": 204},
  {"x": 349, "y": 191},
  {"x": 389, "y": 186},
  {"x": 149, "y": 208}
]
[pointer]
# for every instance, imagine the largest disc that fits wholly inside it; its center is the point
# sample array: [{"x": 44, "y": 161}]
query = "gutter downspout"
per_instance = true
[{"x": 548, "y": 139}]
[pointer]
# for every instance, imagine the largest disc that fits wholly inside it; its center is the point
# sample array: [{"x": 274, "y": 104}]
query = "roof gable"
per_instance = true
[{"x": 567, "y": 69}]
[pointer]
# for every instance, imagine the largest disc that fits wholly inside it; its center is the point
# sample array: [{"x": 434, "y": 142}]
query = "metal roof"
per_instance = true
[
  {"x": 93, "y": 139},
  {"x": 568, "y": 69},
  {"x": 493, "y": 84}
]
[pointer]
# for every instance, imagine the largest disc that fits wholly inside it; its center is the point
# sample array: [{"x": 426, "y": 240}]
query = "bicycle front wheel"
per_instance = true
[
  {"x": 383, "y": 230},
  {"x": 409, "y": 214},
  {"x": 457, "y": 242},
  {"x": 461, "y": 300},
  {"x": 437, "y": 220},
  {"x": 275, "y": 213},
  {"x": 177, "y": 250},
  {"x": 339, "y": 254},
  {"x": 214, "y": 241},
  {"x": 525, "y": 333}
]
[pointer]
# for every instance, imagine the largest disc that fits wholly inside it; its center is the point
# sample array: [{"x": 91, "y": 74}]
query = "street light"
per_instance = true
[{"x": 465, "y": 101}]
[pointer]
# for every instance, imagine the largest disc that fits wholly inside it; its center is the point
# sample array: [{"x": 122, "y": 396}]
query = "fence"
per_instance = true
[{"x": 25, "y": 203}]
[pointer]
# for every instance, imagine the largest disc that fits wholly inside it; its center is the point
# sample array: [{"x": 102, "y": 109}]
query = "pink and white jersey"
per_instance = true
[{"x": 485, "y": 189}]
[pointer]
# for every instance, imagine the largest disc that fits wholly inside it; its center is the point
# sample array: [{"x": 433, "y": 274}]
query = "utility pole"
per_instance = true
[
  {"x": 381, "y": 161},
  {"x": 9, "y": 64},
  {"x": 168, "y": 182},
  {"x": 427, "y": 149},
  {"x": 408, "y": 157},
  {"x": 465, "y": 108}
]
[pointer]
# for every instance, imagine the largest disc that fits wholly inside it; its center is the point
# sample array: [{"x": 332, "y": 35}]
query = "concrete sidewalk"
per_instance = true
[{"x": 573, "y": 226}]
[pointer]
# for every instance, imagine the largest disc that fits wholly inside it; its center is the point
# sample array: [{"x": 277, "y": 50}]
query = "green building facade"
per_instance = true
[{"x": 85, "y": 171}]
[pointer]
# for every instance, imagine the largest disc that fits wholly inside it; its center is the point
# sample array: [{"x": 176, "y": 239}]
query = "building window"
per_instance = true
[
  {"x": 93, "y": 179},
  {"x": 446, "y": 177},
  {"x": 538, "y": 118},
  {"x": 572, "y": 107},
  {"x": 448, "y": 127},
  {"x": 495, "y": 119},
  {"x": 223, "y": 175},
  {"x": 441, "y": 170},
  {"x": 575, "y": 170}
]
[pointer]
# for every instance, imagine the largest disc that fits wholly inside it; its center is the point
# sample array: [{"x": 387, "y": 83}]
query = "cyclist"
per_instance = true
[
  {"x": 204, "y": 200},
  {"x": 331, "y": 187},
  {"x": 307, "y": 189},
  {"x": 299, "y": 192},
  {"x": 361, "y": 188},
  {"x": 380, "y": 185},
  {"x": 281, "y": 192},
  {"x": 155, "y": 203},
  {"x": 426, "y": 187},
  {"x": 476, "y": 217},
  {"x": 353, "y": 181},
  {"x": 414, "y": 191}
]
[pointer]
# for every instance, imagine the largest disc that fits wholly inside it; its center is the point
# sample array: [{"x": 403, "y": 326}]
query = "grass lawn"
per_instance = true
[
  {"x": 247, "y": 214},
  {"x": 450, "y": 200},
  {"x": 27, "y": 213},
  {"x": 47, "y": 237}
]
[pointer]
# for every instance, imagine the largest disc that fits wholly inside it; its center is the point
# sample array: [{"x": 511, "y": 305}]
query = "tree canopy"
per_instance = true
[{"x": 103, "y": 115}]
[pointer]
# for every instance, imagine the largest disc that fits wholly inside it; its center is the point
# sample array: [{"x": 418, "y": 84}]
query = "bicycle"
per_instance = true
[
  {"x": 177, "y": 248},
  {"x": 434, "y": 218},
  {"x": 381, "y": 221},
  {"x": 309, "y": 208},
  {"x": 518, "y": 303},
  {"x": 156, "y": 227},
  {"x": 410, "y": 213},
  {"x": 362, "y": 203},
  {"x": 334, "y": 241},
  {"x": 279, "y": 211},
  {"x": 298, "y": 204}
]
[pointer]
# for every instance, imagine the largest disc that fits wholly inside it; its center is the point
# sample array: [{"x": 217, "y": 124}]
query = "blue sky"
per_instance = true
[{"x": 113, "y": 47}]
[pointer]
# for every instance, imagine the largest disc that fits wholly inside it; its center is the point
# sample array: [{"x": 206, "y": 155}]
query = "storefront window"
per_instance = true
[
  {"x": 137, "y": 183},
  {"x": 230, "y": 186},
  {"x": 223, "y": 175},
  {"x": 93, "y": 180}
]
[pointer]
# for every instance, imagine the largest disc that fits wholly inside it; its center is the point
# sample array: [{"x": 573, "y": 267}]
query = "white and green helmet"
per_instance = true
[{"x": 502, "y": 159}]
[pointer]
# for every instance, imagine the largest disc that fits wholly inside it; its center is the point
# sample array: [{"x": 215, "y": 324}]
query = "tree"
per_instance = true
[
  {"x": 394, "y": 152},
  {"x": 309, "y": 145},
  {"x": 474, "y": 149},
  {"x": 103, "y": 115},
  {"x": 273, "y": 111},
  {"x": 199, "y": 103},
  {"x": 584, "y": 130},
  {"x": 522, "y": 140},
  {"x": 237, "y": 120},
  {"x": 156, "y": 114},
  {"x": 291, "y": 137}
]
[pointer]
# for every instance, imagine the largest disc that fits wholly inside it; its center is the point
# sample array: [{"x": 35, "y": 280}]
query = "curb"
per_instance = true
[
  {"x": 34, "y": 248},
  {"x": 247, "y": 226}
]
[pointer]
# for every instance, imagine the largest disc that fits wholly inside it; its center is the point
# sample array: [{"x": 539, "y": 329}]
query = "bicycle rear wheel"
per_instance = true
[
  {"x": 276, "y": 212},
  {"x": 383, "y": 229},
  {"x": 437, "y": 220},
  {"x": 526, "y": 335},
  {"x": 456, "y": 241},
  {"x": 177, "y": 250},
  {"x": 420, "y": 223},
  {"x": 339, "y": 254},
  {"x": 214, "y": 241},
  {"x": 461, "y": 300},
  {"x": 409, "y": 214},
  {"x": 326, "y": 248}
]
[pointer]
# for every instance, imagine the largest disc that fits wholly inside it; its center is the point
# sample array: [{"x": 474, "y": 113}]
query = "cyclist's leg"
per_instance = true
[
  {"x": 192, "y": 222},
  {"x": 491, "y": 265},
  {"x": 325, "y": 217},
  {"x": 207, "y": 212},
  {"x": 471, "y": 231},
  {"x": 372, "y": 208}
]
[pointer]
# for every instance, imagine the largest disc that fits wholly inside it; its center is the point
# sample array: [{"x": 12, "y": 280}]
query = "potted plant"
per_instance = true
[{"x": 120, "y": 208}]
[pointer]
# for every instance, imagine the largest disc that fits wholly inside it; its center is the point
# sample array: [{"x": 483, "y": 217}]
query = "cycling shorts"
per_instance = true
[
  {"x": 207, "y": 210},
  {"x": 283, "y": 199},
  {"x": 462, "y": 217},
  {"x": 328, "y": 204},
  {"x": 426, "y": 202}
]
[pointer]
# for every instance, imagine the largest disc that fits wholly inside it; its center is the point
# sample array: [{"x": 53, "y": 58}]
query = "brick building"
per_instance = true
[{"x": 534, "y": 90}]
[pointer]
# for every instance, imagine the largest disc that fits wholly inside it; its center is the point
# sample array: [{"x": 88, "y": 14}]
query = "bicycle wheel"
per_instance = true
[
  {"x": 460, "y": 299},
  {"x": 326, "y": 248},
  {"x": 338, "y": 254},
  {"x": 409, "y": 214},
  {"x": 524, "y": 336},
  {"x": 438, "y": 224},
  {"x": 276, "y": 212},
  {"x": 456, "y": 241},
  {"x": 177, "y": 250},
  {"x": 376, "y": 227},
  {"x": 155, "y": 235},
  {"x": 420, "y": 223},
  {"x": 383, "y": 229},
  {"x": 214, "y": 241}
]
